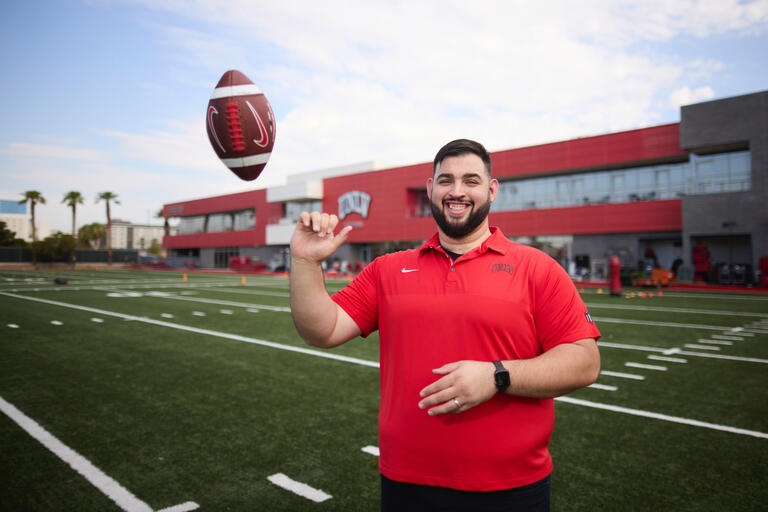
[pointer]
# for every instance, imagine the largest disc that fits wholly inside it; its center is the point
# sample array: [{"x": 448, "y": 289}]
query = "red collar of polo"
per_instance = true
[{"x": 496, "y": 242}]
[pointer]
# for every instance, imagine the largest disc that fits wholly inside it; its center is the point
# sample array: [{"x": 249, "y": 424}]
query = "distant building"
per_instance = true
[
  {"x": 18, "y": 219},
  {"x": 126, "y": 235}
]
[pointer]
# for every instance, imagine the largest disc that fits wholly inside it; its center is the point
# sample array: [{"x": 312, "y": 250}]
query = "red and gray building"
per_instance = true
[{"x": 691, "y": 195}]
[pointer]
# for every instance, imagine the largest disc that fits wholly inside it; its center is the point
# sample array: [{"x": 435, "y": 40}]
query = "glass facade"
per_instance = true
[
  {"x": 294, "y": 208},
  {"x": 192, "y": 225},
  {"x": 216, "y": 222},
  {"x": 702, "y": 174}
]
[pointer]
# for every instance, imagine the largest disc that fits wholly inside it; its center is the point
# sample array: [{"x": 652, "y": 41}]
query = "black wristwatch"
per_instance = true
[{"x": 501, "y": 377}]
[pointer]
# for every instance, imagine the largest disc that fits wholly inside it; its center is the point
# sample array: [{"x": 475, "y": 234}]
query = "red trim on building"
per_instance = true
[
  {"x": 630, "y": 148},
  {"x": 637, "y": 217}
]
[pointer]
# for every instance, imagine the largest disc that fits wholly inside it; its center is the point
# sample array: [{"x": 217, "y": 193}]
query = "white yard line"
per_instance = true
[
  {"x": 722, "y": 356},
  {"x": 182, "y": 507},
  {"x": 373, "y": 450},
  {"x": 374, "y": 364},
  {"x": 603, "y": 387},
  {"x": 700, "y": 347},
  {"x": 707, "y": 295},
  {"x": 715, "y": 342},
  {"x": 664, "y": 417},
  {"x": 299, "y": 488},
  {"x": 660, "y": 324},
  {"x": 646, "y": 366},
  {"x": 602, "y": 305},
  {"x": 723, "y": 337},
  {"x": 230, "y": 303},
  {"x": 668, "y": 359},
  {"x": 207, "y": 332},
  {"x": 622, "y": 375},
  {"x": 630, "y": 347},
  {"x": 112, "y": 489}
]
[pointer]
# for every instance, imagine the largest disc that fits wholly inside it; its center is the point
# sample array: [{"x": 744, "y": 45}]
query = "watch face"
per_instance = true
[{"x": 502, "y": 380}]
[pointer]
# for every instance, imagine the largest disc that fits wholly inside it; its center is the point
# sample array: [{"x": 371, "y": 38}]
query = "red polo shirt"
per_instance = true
[{"x": 501, "y": 300}]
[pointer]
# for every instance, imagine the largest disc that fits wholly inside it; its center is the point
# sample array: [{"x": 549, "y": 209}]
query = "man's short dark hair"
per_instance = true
[{"x": 460, "y": 147}]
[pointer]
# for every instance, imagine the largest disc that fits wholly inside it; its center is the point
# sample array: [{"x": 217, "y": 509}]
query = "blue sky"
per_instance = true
[{"x": 110, "y": 95}]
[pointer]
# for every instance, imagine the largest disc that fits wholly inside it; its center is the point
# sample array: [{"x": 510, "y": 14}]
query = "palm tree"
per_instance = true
[
  {"x": 33, "y": 197},
  {"x": 107, "y": 197},
  {"x": 73, "y": 198}
]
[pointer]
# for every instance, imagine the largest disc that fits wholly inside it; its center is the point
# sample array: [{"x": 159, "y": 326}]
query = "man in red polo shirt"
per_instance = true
[{"x": 477, "y": 335}]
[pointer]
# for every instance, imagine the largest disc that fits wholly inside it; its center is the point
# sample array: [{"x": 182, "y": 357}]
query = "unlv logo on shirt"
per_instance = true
[{"x": 503, "y": 267}]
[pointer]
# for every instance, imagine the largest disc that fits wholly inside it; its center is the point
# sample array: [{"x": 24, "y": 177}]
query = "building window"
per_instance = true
[
  {"x": 219, "y": 222},
  {"x": 294, "y": 208},
  {"x": 192, "y": 225},
  {"x": 243, "y": 220},
  {"x": 709, "y": 174}
]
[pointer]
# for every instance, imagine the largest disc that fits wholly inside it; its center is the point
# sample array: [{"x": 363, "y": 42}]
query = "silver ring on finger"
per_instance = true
[{"x": 458, "y": 405}]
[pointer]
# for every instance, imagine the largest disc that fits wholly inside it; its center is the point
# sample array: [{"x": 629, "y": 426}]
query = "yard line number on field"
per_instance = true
[{"x": 374, "y": 364}]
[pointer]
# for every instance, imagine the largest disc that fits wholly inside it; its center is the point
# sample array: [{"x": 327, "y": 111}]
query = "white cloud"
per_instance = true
[{"x": 686, "y": 96}]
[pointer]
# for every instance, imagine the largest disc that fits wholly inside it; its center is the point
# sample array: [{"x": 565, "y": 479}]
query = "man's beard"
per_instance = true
[{"x": 460, "y": 230}]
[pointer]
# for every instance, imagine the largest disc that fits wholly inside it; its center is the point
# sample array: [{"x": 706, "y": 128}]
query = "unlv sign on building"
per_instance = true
[{"x": 354, "y": 202}]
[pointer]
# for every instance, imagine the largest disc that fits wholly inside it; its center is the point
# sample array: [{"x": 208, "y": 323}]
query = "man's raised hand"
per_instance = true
[{"x": 313, "y": 239}]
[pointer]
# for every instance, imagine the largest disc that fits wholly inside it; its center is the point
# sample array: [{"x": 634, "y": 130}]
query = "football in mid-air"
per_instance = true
[{"x": 240, "y": 125}]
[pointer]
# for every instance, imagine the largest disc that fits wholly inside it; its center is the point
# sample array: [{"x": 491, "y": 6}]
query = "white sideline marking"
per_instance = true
[
  {"x": 183, "y": 507},
  {"x": 374, "y": 364},
  {"x": 112, "y": 489},
  {"x": 700, "y": 347},
  {"x": 715, "y": 342},
  {"x": 593, "y": 305},
  {"x": 646, "y": 366},
  {"x": 721, "y": 356},
  {"x": 373, "y": 450},
  {"x": 208, "y": 332},
  {"x": 603, "y": 387},
  {"x": 299, "y": 488},
  {"x": 198, "y": 313},
  {"x": 668, "y": 359},
  {"x": 231, "y": 303},
  {"x": 664, "y": 417},
  {"x": 13, "y": 326},
  {"x": 56, "y": 322},
  {"x": 97, "y": 320},
  {"x": 166, "y": 315},
  {"x": 622, "y": 375},
  {"x": 661, "y": 324}
]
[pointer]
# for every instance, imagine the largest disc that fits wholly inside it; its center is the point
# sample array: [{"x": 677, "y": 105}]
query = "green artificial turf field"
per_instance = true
[{"x": 159, "y": 393}]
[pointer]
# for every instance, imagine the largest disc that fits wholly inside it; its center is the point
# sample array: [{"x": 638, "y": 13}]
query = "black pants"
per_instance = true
[{"x": 404, "y": 497}]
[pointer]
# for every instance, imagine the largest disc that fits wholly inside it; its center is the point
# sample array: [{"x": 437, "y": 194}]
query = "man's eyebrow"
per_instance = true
[{"x": 463, "y": 176}]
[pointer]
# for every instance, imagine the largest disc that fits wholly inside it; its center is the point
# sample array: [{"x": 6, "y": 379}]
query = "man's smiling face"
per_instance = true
[{"x": 461, "y": 193}]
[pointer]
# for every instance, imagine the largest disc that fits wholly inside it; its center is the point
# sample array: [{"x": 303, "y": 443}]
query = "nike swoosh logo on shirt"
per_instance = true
[{"x": 406, "y": 270}]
